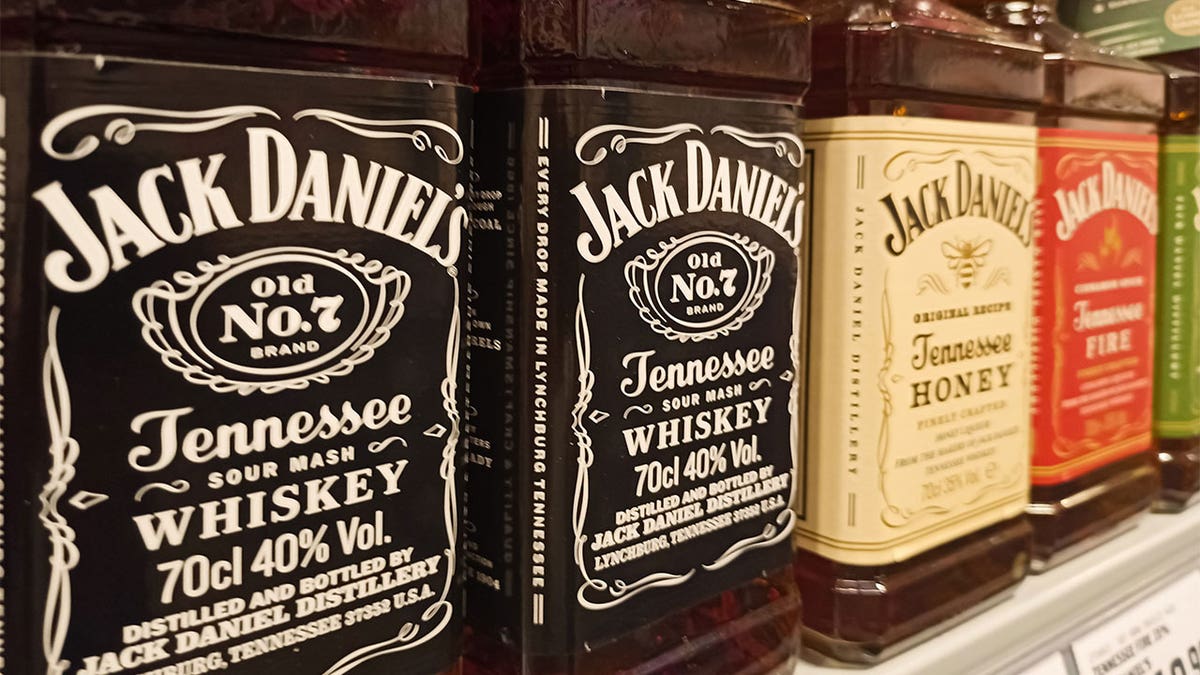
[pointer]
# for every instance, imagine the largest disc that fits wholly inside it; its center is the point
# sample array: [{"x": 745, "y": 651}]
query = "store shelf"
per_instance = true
[{"x": 1049, "y": 610}]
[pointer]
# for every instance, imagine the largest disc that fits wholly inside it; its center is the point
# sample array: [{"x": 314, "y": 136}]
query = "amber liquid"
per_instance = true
[
  {"x": 665, "y": 46},
  {"x": 920, "y": 59},
  {"x": 421, "y": 39},
  {"x": 751, "y": 629},
  {"x": 1088, "y": 91},
  {"x": 1187, "y": 59},
  {"x": 1179, "y": 458},
  {"x": 1179, "y": 463},
  {"x": 1070, "y": 517},
  {"x": 403, "y": 38}
]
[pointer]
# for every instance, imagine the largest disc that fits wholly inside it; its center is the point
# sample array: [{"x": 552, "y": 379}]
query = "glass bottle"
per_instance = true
[
  {"x": 612, "y": 245},
  {"x": 1177, "y": 388},
  {"x": 1184, "y": 59},
  {"x": 919, "y": 387},
  {"x": 1094, "y": 465},
  {"x": 230, "y": 317}
]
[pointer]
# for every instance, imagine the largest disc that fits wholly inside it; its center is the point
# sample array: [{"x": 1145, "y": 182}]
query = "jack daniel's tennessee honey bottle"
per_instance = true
[
  {"x": 233, "y": 265},
  {"x": 638, "y": 337},
  {"x": 1093, "y": 461},
  {"x": 923, "y": 188}
]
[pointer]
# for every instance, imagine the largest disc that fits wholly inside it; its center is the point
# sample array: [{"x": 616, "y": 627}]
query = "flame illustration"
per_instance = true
[{"x": 1112, "y": 247}]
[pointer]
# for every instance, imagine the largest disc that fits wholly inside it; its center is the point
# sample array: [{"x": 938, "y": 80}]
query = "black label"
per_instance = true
[
  {"x": 640, "y": 328},
  {"x": 233, "y": 370}
]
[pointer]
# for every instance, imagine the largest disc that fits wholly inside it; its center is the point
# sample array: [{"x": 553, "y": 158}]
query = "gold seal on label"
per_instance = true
[{"x": 1183, "y": 17}]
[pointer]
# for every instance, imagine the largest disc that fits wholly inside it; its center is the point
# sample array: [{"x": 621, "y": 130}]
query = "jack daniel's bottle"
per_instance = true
[
  {"x": 923, "y": 186},
  {"x": 638, "y": 339},
  {"x": 233, "y": 270},
  {"x": 1093, "y": 461},
  {"x": 1177, "y": 357}
]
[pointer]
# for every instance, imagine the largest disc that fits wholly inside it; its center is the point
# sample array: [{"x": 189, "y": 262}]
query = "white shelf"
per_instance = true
[{"x": 1051, "y": 609}]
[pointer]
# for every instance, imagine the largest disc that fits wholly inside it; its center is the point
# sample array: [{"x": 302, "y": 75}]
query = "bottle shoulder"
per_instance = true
[
  {"x": 428, "y": 40},
  {"x": 729, "y": 45},
  {"x": 1083, "y": 78},
  {"x": 929, "y": 50},
  {"x": 1182, "y": 101}
]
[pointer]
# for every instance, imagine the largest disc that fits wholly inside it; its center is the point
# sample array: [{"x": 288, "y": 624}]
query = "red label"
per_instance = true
[{"x": 1094, "y": 335}]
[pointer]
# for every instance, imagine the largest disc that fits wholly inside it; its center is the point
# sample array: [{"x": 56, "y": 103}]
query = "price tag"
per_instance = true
[
  {"x": 1158, "y": 636},
  {"x": 1051, "y": 665}
]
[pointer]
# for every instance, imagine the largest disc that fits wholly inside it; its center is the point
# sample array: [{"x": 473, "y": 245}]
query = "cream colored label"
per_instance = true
[{"x": 919, "y": 422}]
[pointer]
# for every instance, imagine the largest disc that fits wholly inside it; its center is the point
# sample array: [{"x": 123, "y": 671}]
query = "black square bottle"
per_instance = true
[
  {"x": 234, "y": 245},
  {"x": 638, "y": 339}
]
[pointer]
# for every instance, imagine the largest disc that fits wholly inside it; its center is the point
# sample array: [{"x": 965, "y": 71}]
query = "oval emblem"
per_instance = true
[
  {"x": 272, "y": 320},
  {"x": 700, "y": 286},
  {"x": 1183, "y": 17}
]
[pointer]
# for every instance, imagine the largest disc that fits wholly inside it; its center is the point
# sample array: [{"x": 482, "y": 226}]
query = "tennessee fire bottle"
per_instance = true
[
  {"x": 923, "y": 192},
  {"x": 1093, "y": 461},
  {"x": 233, "y": 272},
  {"x": 1177, "y": 375},
  {"x": 637, "y": 337}
]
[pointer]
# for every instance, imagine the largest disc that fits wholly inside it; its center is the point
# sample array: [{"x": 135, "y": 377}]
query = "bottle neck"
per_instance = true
[{"x": 1023, "y": 12}]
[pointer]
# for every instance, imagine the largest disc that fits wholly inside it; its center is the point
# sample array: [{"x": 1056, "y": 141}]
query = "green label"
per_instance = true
[
  {"x": 1177, "y": 373},
  {"x": 1136, "y": 27}
]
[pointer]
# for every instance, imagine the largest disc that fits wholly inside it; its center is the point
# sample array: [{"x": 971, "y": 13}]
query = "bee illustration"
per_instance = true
[{"x": 965, "y": 258}]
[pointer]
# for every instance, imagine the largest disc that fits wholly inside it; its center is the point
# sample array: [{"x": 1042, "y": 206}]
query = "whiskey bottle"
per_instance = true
[
  {"x": 1177, "y": 356},
  {"x": 1093, "y": 462},
  {"x": 637, "y": 339},
  {"x": 918, "y": 433},
  {"x": 233, "y": 264}
]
